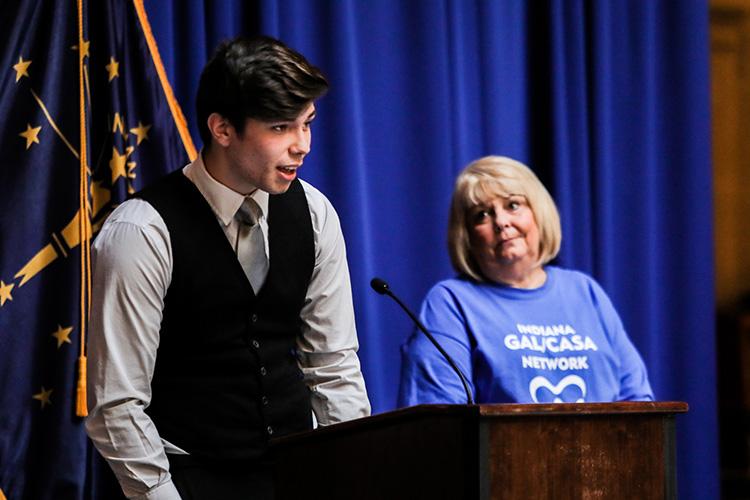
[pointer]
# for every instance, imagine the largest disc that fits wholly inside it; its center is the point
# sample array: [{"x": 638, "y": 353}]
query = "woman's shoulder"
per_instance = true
[
  {"x": 567, "y": 274},
  {"x": 574, "y": 279},
  {"x": 451, "y": 288},
  {"x": 458, "y": 283}
]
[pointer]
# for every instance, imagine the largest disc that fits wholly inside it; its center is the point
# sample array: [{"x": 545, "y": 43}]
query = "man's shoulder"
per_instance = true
[
  {"x": 134, "y": 211},
  {"x": 311, "y": 191},
  {"x": 132, "y": 215},
  {"x": 321, "y": 207},
  {"x": 132, "y": 226}
]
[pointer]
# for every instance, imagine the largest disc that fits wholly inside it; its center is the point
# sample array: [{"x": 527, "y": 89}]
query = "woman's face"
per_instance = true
[{"x": 504, "y": 239}]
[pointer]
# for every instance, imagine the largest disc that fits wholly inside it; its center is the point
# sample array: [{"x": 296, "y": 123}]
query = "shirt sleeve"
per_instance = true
[
  {"x": 327, "y": 349},
  {"x": 426, "y": 376},
  {"x": 632, "y": 373},
  {"x": 132, "y": 264}
]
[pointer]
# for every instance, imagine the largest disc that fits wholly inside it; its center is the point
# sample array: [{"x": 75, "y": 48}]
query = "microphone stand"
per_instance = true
[{"x": 382, "y": 288}]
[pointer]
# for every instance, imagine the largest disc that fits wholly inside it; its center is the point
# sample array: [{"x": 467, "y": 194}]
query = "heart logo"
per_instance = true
[{"x": 539, "y": 382}]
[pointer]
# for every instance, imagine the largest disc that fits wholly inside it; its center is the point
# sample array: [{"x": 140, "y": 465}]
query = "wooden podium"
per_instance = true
[{"x": 610, "y": 451}]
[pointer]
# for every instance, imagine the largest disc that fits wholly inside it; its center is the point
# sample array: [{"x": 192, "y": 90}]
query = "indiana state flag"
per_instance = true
[{"x": 87, "y": 118}]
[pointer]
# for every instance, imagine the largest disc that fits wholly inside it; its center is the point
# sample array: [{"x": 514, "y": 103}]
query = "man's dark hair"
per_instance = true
[{"x": 257, "y": 78}]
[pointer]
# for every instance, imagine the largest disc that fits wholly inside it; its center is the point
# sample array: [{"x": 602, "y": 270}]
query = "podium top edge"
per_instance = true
[
  {"x": 489, "y": 412},
  {"x": 584, "y": 408}
]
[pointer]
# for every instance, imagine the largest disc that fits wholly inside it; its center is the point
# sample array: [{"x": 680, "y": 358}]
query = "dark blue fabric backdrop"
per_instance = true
[{"x": 608, "y": 101}]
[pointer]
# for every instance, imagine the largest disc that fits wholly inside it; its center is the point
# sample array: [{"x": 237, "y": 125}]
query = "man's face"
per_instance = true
[{"x": 266, "y": 155}]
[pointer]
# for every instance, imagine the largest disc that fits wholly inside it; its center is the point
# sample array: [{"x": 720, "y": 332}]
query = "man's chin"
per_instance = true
[{"x": 278, "y": 187}]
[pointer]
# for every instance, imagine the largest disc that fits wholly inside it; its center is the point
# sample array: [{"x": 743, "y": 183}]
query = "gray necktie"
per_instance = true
[{"x": 251, "y": 248}]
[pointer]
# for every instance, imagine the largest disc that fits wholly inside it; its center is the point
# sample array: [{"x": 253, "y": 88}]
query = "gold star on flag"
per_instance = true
[
  {"x": 62, "y": 335},
  {"x": 141, "y": 131},
  {"x": 44, "y": 397},
  {"x": 118, "y": 165},
  {"x": 31, "y": 135},
  {"x": 5, "y": 292},
  {"x": 114, "y": 68},
  {"x": 21, "y": 68},
  {"x": 85, "y": 48}
]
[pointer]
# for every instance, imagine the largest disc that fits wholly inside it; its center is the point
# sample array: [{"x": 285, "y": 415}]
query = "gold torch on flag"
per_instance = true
[{"x": 88, "y": 118}]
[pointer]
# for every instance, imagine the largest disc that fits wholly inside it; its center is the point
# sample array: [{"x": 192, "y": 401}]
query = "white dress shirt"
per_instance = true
[{"x": 132, "y": 269}]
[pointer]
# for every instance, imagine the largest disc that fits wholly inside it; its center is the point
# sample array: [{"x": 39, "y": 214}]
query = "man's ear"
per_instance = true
[{"x": 220, "y": 128}]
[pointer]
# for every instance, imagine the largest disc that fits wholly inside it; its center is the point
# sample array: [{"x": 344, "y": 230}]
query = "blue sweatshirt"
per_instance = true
[{"x": 562, "y": 342}]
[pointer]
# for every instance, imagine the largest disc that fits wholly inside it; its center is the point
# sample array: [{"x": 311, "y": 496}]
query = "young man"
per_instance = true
[{"x": 222, "y": 311}]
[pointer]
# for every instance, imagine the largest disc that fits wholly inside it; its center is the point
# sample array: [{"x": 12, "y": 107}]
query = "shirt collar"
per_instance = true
[{"x": 223, "y": 200}]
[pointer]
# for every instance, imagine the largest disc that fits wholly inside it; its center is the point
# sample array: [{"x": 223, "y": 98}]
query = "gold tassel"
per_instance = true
[
  {"x": 81, "y": 409},
  {"x": 84, "y": 231}
]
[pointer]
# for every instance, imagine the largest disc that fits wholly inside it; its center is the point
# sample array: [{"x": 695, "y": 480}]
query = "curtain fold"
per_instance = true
[{"x": 607, "y": 101}]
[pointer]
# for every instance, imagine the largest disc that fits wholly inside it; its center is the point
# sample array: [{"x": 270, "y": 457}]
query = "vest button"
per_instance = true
[
  {"x": 270, "y": 430},
  {"x": 256, "y": 344},
  {"x": 254, "y": 319},
  {"x": 264, "y": 400},
  {"x": 262, "y": 370}
]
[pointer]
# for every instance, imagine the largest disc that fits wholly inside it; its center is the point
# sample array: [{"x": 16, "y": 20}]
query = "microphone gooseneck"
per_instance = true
[{"x": 382, "y": 288}]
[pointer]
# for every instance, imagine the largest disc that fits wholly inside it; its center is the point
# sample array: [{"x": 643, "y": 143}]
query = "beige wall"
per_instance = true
[{"x": 730, "y": 96}]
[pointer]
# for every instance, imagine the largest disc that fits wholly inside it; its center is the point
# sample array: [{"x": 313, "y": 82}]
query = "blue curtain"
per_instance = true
[{"x": 608, "y": 101}]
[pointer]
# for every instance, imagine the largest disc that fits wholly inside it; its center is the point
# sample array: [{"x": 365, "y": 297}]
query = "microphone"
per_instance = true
[{"x": 382, "y": 288}]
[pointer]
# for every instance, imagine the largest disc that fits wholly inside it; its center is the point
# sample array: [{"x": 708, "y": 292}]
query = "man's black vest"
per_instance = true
[{"x": 226, "y": 378}]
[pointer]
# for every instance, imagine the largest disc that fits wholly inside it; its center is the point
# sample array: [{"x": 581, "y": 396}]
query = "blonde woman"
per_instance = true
[{"x": 521, "y": 330}]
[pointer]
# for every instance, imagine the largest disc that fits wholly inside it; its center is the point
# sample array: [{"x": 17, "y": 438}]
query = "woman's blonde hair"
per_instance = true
[{"x": 484, "y": 180}]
